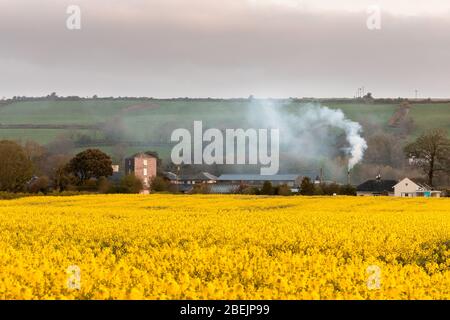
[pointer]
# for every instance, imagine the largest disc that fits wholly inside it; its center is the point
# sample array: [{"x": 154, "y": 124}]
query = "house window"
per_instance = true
[
  {"x": 145, "y": 171},
  {"x": 145, "y": 162}
]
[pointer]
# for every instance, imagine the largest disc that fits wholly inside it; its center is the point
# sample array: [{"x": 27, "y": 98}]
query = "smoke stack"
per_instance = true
[{"x": 348, "y": 177}]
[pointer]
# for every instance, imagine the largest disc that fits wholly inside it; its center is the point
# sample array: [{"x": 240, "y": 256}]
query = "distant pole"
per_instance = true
[
  {"x": 178, "y": 179},
  {"x": 363, "y": 91}
]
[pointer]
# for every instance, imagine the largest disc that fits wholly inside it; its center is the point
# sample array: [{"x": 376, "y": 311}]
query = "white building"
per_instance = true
[{"x": 410, "y": 188}]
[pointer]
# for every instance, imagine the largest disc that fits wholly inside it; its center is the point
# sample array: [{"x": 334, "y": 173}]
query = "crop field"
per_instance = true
[{"x": 224, "y": 247}]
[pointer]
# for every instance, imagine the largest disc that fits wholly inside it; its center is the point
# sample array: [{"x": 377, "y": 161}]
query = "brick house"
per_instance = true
[{"x": 143, "y": 165}]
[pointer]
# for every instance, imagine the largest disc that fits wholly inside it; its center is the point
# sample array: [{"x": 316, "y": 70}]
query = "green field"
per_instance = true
[{"x": 150, "y": 123}]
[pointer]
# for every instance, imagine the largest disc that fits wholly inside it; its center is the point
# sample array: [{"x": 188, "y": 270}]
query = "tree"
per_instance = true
[
  {"x": 89, "y": 164},
  {"x": 430, "y": 152},
  {"x": 368, "y": 96},
  {"x": 34, "y": 151},
  {"x": 306, "y": 187},
  {"x": 347, "y": 190},
  {"x": 41, "y": 184},
  {"x": 16, "y": 169},
  {"x": 104, "y": 185},
  {"x": 130, "y": 184},
  {"x": 158, "y": 184},
  {"x": 55, "y": 167},
  {"x": 267, "y": 188},
  {"x": 284, "y": 190},
  {"x": 383, "y": 149}
]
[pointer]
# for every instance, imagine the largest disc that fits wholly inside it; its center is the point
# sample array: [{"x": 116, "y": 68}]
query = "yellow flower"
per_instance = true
[{"x": 224, "y": 247}]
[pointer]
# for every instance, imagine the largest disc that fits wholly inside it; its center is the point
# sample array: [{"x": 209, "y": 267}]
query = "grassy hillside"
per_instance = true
[{"x": 148, "y": 124}]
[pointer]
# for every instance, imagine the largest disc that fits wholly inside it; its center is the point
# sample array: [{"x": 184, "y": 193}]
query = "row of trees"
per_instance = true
[
  {"x": 307, "y": 188},
  {"x": 31, "y": 168}
]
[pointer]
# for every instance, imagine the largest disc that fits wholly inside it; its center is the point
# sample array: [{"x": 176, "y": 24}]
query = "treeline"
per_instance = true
[
  {"x": 366, "y": 99},
  {"x": 307, "y": 188},
  {"x": 31, "y": 168},
  {"x": 55, "y": 97}
]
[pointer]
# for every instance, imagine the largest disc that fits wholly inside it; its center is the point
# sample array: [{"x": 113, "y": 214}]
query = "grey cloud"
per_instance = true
[{"x": 180, "y": 49}]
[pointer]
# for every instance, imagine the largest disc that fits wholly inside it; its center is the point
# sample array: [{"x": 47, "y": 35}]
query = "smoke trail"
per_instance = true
[{"x": 310, "y": 130}]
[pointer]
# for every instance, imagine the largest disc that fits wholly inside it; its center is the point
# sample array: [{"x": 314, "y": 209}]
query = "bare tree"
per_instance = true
[{"x": 430, "y": 152}]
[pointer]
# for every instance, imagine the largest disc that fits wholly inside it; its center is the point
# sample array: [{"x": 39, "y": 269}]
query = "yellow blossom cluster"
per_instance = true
[{"x": 224, "y": 247}]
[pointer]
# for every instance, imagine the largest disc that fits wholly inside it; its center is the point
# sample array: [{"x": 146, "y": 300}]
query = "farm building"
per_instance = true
[
  {"x": 143, "y": 165},
  {"x": 185, "y": 183},
  {"x": 223, "y": 188},
  {"x": 198, "y": 178},
  {"x": 291, "y": 180},
  {"x": 377, "y": 187},
  {"x": 117, "y": 174},
  {"x": 411, "y": 188},
  {"x": 170, "y": 177}
]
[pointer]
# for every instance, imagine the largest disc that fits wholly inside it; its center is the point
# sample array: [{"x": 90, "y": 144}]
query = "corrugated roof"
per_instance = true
[
  {"x": 170, "y": 175},
  {"x": 202, "y": 176},
  {"x": 421, "y": 184},
  {"x": 257, "y": 177}
]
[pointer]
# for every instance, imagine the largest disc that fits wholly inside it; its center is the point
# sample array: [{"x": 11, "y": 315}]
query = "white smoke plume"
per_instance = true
[{"x": 310, "y": 130}]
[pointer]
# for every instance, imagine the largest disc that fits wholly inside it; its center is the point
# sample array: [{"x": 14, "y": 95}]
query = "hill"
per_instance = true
[{"x": 138, "y": 124}]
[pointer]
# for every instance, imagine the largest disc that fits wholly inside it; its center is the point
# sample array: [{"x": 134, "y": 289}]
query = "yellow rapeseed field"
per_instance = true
[{"x": 224, "y": 247}]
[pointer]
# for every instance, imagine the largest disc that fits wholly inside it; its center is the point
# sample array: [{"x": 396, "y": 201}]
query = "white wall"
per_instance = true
[{"x": 405, "y": 186}]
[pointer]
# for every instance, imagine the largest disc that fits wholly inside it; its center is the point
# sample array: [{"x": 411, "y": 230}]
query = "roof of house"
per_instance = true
[
  {"x": 377, "y": 186},
  {"x": 202, "y": 176},
  {"x": 257, "y": 177},
  {"x": 418, "y": 183},
  {"x": 170, "y": 175},
  {"x": 146, "y": 153}
]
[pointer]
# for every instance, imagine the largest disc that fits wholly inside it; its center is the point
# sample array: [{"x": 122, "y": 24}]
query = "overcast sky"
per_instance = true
[{"x": 226, "y": 48}]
